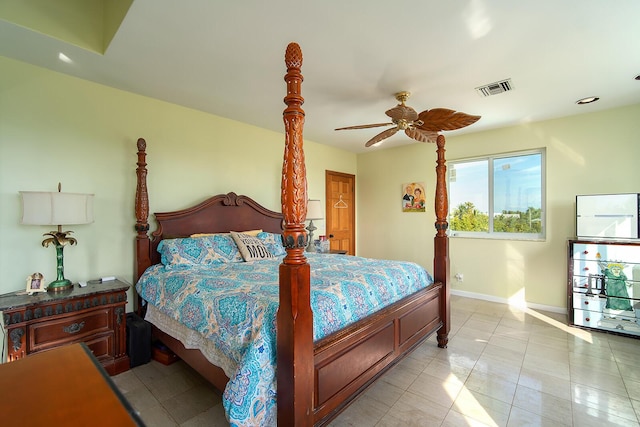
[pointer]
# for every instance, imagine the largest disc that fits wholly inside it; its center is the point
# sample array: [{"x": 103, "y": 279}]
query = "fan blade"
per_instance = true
[
  {"x": 401, "y": 111},
  {"x": 439, "y": 119},
  {"x": 382, "y": 135},
  {"x": 421, "y": 135},
  {"x": 365, "y": 126}
]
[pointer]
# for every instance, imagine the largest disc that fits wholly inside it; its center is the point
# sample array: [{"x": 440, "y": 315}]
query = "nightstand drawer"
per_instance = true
[
  {"x": 101, "y": 346},
  {"x": 75, "y": 328}
]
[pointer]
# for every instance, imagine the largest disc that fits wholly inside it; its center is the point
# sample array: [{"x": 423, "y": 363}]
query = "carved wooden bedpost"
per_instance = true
[
  {"x": 441, "y": 243},
  {"x": 294, "y": 318},
  {"x": 142, "y": 214}
]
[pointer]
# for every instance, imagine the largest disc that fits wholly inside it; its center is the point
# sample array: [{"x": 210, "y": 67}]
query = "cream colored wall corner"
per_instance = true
[
  {"x": 586, "y": 154},
  {"x": 384, "y": 231},
  {"x": 55, "y": 128}
]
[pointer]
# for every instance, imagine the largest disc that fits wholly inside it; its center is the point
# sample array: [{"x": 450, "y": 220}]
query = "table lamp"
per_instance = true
[
  {"x": 314, "y": 211},
  {"x": 57, "y": 208}
]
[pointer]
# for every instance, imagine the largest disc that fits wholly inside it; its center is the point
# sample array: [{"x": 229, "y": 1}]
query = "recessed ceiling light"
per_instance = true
[
  {"x": 587, "y": 100},
  {"x": 64, "y": 58}
]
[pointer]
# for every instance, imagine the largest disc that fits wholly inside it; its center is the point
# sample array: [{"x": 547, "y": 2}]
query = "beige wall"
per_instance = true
[
  {"x": 55, "y": 128},
  {"x": 588, "y": 153}
]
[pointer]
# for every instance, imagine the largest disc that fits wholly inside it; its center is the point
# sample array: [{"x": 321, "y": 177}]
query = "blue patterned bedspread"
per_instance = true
[{"x": 235, "y": 305}]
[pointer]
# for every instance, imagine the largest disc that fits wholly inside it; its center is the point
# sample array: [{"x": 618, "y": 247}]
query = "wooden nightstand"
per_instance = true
[{"x": 94, "y": 314}]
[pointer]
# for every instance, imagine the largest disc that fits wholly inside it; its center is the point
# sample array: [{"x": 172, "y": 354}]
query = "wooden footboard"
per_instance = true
[{"x": 347, "y": 362}]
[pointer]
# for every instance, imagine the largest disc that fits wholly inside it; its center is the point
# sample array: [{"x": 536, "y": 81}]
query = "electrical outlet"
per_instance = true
[{"x": 459, "y": 277}]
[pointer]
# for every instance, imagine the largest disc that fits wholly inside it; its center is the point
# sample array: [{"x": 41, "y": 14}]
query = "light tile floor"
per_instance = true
[{"x": 503, "y": 367}]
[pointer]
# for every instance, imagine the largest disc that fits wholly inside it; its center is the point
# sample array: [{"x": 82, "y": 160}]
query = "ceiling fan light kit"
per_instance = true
[{"x": 423, "y": 127}]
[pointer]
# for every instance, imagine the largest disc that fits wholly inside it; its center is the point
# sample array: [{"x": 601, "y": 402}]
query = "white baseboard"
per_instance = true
[{"x": 491, "y": 298}]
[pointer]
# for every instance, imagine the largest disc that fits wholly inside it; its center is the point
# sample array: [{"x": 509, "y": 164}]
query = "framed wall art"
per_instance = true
[{"x": 413, "y": 199}]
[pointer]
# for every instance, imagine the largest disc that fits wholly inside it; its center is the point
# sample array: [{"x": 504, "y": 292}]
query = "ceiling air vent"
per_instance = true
[{"x": 495, "y": 88}]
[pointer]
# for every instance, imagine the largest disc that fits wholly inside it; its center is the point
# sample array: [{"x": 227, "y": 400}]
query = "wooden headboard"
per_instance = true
[{"x": 218, "y": 214}]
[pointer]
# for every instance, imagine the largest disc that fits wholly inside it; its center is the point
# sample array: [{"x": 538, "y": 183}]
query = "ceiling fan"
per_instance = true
[{"x": 423, "y": 127}]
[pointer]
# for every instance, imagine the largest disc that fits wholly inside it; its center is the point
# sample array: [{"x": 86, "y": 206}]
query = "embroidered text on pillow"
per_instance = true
[{"x": 251, "y": 247}]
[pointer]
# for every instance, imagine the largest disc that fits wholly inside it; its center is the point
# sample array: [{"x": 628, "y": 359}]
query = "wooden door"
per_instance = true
[{"x": 341, "y": 211}]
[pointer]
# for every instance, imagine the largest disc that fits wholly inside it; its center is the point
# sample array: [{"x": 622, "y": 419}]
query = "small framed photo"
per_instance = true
[{"x": 35, "y": 283}]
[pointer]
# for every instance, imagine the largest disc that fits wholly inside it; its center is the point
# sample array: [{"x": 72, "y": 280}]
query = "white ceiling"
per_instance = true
[{"x": 227, "y": 58}]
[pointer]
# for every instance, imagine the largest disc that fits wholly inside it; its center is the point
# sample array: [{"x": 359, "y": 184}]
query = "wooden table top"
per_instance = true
[{"x": 65, "y": 386}]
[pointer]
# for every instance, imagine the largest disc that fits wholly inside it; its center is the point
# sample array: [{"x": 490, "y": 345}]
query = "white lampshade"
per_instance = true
[
  {"x": 314, "y": 209},
  {"x": 55, "y": 208}
]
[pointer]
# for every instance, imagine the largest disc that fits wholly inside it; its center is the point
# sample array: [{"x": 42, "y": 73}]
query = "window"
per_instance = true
[{"x": 500, "y": 196}]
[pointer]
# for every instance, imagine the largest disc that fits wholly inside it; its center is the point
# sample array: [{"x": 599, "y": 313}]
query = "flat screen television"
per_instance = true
[{"x": 607, "y": 216}]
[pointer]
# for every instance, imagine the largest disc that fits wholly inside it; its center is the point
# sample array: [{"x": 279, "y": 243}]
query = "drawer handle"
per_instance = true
[
  {"x": 587, "y": 319},
  {"x": 73, "y": 328},
  {"x": 586, "y": 303},
  {"x": 586, "y": 269}
]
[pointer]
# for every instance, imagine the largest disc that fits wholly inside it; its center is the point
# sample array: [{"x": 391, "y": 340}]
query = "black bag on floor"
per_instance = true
[{"x": 138, "y": 340}]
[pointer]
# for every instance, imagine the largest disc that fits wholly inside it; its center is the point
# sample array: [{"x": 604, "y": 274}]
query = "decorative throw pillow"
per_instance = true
[
  {"x": 224, "y": 248},
  {"x": 204, "y": 250},
  {"x": 273, "y": 242},
  {"x": 182, "y": 251},
  {"x": 251, "y": 232},
  {"x": 250, "y": 247}
]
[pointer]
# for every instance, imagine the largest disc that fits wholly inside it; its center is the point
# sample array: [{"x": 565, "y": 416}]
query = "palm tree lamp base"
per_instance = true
[
  {"x": 59, "y": 285},
  {"x": 59, "y": 239}
]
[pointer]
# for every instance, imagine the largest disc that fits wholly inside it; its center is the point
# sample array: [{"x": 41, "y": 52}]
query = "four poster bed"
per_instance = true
[{"x": 319, "y": 369}]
